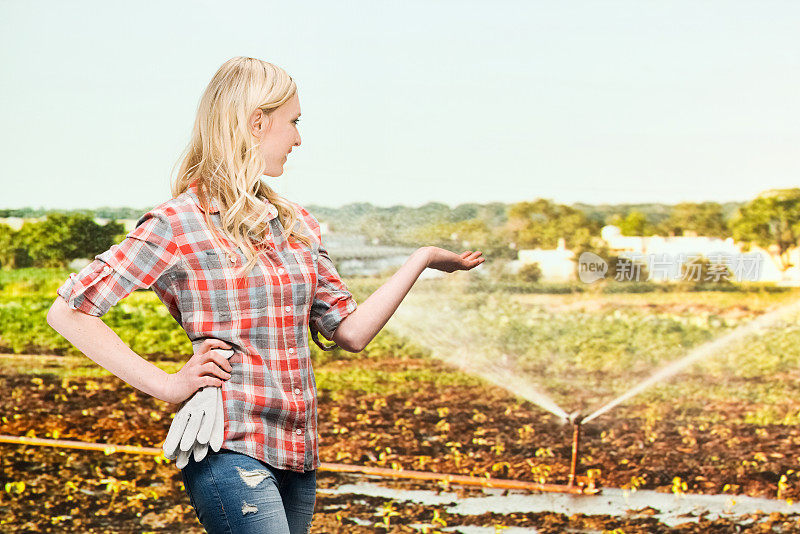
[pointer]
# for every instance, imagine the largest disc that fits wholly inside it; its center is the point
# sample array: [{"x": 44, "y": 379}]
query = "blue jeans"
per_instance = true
[{"x": 232, "y": 492}]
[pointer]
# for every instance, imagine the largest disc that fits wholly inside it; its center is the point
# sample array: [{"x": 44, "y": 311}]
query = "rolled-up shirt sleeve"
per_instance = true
[
  {"x": 332, "y": 300},
  {"x": 147, "y": 253}
]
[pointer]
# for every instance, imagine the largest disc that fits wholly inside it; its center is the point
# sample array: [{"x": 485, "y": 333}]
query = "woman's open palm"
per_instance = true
[{"x": 444, "y": 260}]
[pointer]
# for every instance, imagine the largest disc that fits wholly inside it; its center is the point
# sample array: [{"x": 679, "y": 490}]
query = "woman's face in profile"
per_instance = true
[{"x": 277, "y": 134}]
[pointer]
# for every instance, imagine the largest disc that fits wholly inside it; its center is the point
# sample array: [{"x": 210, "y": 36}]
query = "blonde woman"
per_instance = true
[{"x": 239, "y": 267}]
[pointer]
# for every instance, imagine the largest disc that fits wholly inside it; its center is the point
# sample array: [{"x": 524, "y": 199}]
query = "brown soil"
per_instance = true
[{"x": 460, "y": 429}]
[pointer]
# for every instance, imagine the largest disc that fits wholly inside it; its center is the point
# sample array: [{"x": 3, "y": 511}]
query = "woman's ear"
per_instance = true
[{"x": 259, "y": 123}]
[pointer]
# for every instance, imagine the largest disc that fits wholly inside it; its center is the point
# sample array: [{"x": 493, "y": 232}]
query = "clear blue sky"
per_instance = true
[{"x": 414, "y": 101}]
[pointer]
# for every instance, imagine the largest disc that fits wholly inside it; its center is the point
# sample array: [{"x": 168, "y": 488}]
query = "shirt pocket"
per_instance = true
[
  {"x": 308, "y": 259},
  {"x": 302, "y": 267},
  {"x": 230, "y": 292}
]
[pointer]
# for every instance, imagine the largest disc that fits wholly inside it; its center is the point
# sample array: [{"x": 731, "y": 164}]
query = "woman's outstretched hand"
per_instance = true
[
  {"x": 444, "y": 260},
  {"x": 205, "y": 368}
]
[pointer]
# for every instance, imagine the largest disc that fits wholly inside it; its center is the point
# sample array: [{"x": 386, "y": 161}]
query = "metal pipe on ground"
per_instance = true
[{"x": 581, "y": 485}]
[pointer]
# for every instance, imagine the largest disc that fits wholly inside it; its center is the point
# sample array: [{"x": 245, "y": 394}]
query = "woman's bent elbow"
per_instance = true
[
  {"x": 55, "y": 309},
  {"x": 344, "y": 342},
  {"x": 59, "y": 311}
]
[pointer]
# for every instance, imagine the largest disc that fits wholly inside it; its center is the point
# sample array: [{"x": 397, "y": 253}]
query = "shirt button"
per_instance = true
[
  {"x": 297, "y": 391},
  {"x": 314, "y": 256},
  {"x": 269, "y": 238},
  {"x": 233, "y": 259},
  {"x": 288, "y": 308},
  {"x": 106, "y": 269},
  {"x": 291, "y": 351},
  {"x": 299, "y": 431},
  {"x": 281, "y": 271}
]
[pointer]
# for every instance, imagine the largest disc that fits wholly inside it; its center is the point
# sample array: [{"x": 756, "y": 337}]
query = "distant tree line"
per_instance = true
[
  {"x": 704, "y": 218},
  {"x": 56, "y": 241},
  {"x": 499, "y": 230},
  {"x": 99, "y": 213}
]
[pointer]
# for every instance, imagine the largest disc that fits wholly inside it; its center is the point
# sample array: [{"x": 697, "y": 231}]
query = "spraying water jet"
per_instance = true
[
  {"x": 450, "y": 347},
  {"x": 707, "y": 349}
]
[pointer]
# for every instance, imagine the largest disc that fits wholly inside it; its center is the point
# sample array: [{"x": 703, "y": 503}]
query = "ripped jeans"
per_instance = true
[{"x": 232, "y": 492}]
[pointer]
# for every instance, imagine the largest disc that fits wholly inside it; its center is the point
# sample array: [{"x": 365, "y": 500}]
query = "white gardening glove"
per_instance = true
[
  {"x": 198, "y": 423},
  {"x": 203, "y": 442}
]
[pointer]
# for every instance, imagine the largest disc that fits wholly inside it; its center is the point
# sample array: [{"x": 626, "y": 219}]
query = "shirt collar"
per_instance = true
[{"x": 214, "y": 205}]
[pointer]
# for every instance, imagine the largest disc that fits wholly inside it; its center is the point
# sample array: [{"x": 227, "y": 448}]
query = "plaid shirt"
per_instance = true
[{"x": 271, "y": 398}]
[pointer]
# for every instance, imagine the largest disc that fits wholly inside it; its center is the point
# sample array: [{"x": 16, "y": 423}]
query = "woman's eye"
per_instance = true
[{"x": 296, "y": 121}]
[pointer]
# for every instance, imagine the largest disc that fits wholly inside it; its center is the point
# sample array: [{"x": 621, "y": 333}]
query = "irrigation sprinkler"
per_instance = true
[
  {"x": 703, "y": 351},
  {"x": 575, "y": 419},
  {"x": 576, "y": 484}
]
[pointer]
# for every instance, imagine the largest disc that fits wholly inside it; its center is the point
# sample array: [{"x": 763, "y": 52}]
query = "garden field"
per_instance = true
[{"x": 425, "y": 395}]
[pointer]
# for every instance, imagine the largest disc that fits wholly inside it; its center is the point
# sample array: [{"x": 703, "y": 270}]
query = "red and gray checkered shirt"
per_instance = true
[{"x": 271, "y": 398}]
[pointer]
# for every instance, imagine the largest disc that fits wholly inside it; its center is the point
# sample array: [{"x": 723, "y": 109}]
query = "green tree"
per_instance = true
[
  {"x": 530, "y": 272},
  {"x": 476, "y": 234},
  {"x": 464, "y": 212},
  {"x": 540, "y": 224},
  {"x": 634, "y": 224},
  {"x": 376, "y": 226},
  {"x": 12, "y": 255},
  {"x": 616, "y": 220},
  {"x": 47, "y": 242},
  {"x": 56, "y": 241},
  {"x": 87, "y": 238},
  {"x": 705, "y": 218},
  {"x": 433, "y": 212},
  {"x": 772, "y": 218},
  {"x": 473, "y": 234},
  {"x": 442, "y": 234},
  {"x": 114, "y": 233}
]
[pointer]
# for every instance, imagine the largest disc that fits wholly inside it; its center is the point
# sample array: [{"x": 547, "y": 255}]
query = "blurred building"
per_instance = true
[
  {"x": 764, "y": 265},
  {"x": 16, "y": 222},
  {"x": 556, "y": 264}
]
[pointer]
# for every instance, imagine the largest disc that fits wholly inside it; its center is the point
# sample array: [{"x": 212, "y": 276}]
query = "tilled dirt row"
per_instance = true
[{"x": 465, "y": 430}]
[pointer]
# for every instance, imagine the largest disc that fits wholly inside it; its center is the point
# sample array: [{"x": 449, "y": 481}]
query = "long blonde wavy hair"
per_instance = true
[{"x": 222, "y": 155}]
